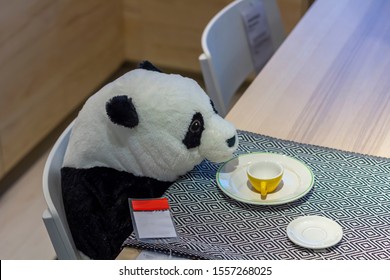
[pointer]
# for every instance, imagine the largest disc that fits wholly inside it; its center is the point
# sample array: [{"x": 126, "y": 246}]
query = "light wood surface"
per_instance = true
[{"x": 328, "y": 84}]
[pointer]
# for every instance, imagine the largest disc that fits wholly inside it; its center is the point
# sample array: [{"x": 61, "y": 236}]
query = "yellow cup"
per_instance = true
[{"x": 265, "y": 176}]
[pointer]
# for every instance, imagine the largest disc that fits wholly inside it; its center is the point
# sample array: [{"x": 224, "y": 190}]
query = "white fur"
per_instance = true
[{"x": 165, "y": 105}]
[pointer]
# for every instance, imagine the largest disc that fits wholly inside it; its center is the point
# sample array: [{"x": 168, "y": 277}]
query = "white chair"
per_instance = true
[
  {"x": 54, "y": 216},
  {"x": 226, "y": 61}
]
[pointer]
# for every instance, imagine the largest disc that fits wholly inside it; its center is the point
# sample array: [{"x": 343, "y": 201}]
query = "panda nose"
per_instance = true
[{"x": 231, "y": 141}]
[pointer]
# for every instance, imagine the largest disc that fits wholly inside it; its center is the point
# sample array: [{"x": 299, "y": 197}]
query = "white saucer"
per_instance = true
[
  {"x": 297, "y": 179},
  {"x": 314, "y": 232}
]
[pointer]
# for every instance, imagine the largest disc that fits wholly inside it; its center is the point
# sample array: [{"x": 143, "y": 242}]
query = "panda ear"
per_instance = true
[
  {"x": 121, "y": 111},
  {"x": 147, "y": 65}
]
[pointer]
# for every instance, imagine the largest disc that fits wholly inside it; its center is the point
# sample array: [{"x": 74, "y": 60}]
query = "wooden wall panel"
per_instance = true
[
  {"x": 1, "y": 165},
  {"x": 53, "y": 54},
  {"x": 291, "y": 12},
  {"x": 168, "y": 32}
]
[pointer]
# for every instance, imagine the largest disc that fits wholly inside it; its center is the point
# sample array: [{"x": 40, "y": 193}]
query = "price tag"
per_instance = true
[{"x": 152, "y": 219}]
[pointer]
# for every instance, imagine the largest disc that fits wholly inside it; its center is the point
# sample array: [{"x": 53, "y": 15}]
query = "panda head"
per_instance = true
[{"x": 150, "y": 124}]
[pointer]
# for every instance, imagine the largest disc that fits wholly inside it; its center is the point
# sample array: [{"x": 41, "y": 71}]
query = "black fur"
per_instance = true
[
  {"x": 121, "y": 111},
  {"x": 231, "y": 141},
  {"x": 213, "y": 106},
  {"x": 147, "y": 65},
  {"x": 194, "y": 132},
  {"x": 96, "y": 206}
]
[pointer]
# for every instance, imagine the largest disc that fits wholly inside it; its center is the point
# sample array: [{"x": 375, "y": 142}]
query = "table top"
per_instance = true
[
  {"x": 218, "y": 215},
  {"x": 328, "y": 84}
]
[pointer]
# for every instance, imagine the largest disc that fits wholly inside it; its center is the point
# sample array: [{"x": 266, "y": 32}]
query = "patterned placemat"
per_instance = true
[{"x": 350, "y": 188}]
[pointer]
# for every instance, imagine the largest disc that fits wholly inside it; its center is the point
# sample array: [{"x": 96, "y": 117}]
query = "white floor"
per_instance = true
[{"x": 22, "y": 233}]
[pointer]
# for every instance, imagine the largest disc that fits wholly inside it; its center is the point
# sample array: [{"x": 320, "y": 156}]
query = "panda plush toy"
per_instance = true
[{"x": 133, "y": 139}]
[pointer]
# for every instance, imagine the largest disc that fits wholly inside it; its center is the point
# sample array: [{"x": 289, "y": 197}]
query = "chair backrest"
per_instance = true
[
  {"x": 227, "y": 61},
  {"x": 54, "y": 216}
]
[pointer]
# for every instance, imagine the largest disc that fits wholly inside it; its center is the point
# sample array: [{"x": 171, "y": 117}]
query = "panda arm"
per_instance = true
[{"x": 96, "y": 205}]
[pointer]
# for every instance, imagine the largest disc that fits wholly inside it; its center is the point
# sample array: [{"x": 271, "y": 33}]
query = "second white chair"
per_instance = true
[{"x": 227, "y": 61}]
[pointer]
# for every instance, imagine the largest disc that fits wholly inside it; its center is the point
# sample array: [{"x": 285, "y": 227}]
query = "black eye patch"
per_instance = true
[{"x": 194, "y": 132}]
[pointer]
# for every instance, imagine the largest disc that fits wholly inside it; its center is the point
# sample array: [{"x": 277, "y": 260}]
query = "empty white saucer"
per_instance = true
[{"x": 314, "y": 232}]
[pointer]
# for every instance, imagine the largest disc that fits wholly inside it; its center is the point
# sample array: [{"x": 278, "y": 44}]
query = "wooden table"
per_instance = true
[{"x": 328, "y": 84}]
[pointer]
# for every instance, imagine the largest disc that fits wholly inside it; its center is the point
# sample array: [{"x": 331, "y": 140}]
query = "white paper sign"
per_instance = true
[
  {"x": 258, "y": 34},
  {"x": 154, "y": 224}
]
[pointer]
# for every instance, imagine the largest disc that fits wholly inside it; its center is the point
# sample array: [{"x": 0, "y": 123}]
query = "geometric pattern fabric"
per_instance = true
[{"x": 350, "y": 188}]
